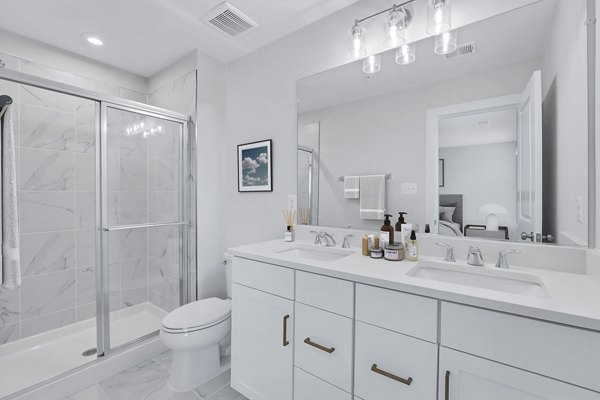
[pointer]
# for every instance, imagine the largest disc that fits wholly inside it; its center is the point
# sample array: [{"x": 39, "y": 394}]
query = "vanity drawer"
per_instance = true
[
  {"x": 323, "y": 345},
  {"x": 380, "y": 352},
  {"x": 327, "y": 293},
  {"x": 262, "y": 276},
  {"x": 309, "y": 387},
  {"x": 401, "y": 312},
  {"x": 557, "y": 351}
]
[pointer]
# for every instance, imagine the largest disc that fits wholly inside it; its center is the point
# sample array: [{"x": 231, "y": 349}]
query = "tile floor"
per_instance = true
[{"x": 148, "y": 381}]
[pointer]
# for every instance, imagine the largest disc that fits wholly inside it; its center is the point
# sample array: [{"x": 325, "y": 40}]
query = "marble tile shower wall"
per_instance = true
[{"x": 55, "y": 134}]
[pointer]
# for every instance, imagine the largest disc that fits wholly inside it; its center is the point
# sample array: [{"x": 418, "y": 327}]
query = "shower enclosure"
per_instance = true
[{"x": 106, "y": 214}]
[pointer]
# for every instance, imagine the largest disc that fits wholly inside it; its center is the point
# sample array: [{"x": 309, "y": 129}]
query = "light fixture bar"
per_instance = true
[{"x": 395, "y": 6}]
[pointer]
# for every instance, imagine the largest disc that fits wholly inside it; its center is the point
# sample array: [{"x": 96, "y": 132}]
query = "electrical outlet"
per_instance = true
[
  {"x": 292, "y": 202},
  {"x": 409, "y": 188},
  {"x": 580, "y": 209}
]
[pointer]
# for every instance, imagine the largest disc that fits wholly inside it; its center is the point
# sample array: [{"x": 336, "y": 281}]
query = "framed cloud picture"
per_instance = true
[{"x": 255, "y": 170}]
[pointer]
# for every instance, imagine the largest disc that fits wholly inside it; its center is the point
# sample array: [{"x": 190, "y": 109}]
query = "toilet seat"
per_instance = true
[{"x": 198, "y": 315}]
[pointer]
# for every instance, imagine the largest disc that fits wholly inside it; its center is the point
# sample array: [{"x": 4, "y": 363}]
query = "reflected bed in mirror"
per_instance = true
[{"x": 508, "y": 119}]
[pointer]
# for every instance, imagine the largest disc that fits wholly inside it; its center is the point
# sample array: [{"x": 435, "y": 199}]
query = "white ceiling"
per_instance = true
[
  {"x": 509, "y": 37},
  {"x": 144, "y": 36},
  {"x": 487, "y": 127}
]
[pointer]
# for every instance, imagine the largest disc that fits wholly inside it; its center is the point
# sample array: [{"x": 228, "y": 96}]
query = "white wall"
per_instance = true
[
  {"x": 49, "y": 62},
  {"x": 386, "y": 134},
  {"x": 483, "y": 174},
  {"x": 564, "y": 81}
]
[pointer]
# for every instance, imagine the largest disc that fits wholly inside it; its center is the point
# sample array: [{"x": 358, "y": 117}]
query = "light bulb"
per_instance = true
[
  {"x": 358, "y": 49},
  {"x": 438, "y": 17},
  {"x": 406, "y": 54},
  {"x": 372, "y": 64},
  {"x": 446, "y": 43},
  {"x": 395, "y": 29}
]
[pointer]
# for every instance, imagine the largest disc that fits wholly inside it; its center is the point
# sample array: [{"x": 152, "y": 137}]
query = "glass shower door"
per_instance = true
[{"x": 144, "y": 221}]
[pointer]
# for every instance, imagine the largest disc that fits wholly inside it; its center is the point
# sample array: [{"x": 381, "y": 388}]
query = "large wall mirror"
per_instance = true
[{"x": 489, "y": 141}]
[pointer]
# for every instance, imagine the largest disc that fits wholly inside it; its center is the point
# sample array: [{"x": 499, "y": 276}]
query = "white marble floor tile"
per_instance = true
[
  {"x": 91, "y": 393},
  {"x": 213, "y": 386}
]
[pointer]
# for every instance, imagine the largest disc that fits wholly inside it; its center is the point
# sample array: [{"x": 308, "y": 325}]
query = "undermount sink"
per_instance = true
[
  {"x": 482, "y": 277},
  {"x": 314, "y": 252}
]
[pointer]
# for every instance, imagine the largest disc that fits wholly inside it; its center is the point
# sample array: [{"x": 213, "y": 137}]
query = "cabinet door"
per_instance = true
[
  {"x": 466, "y": 377},
  {"x": 261, "y": 344},
  {"x": 309, "y": 387}
]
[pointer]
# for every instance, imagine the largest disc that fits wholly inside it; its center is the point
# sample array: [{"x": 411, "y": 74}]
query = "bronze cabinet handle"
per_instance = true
[
  {"x": 447, "y": 386},
  {"x": 318, "y": 346},
  {"x": 285, "y": 341},
  {"x": 391, "y": 376}
]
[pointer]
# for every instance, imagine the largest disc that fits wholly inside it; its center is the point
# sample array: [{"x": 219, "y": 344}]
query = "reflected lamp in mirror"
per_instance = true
[
  {"x": 492, "y": 210},
  {"x": 406, "y": 54},
  {"x": 358, "y": 49},
  {"x": 395, "y": 28},
  {"x": 372, "y": 64},
  {"x": 446, "y": 43}
]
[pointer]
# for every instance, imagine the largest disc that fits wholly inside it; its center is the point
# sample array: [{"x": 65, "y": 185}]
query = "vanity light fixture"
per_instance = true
[
  {"x": 438, "y": 17},
  {"x": 358, "y": 34},
  {"x": 446, "y": 43},
  {"x": 395, "y": 27},
  {"x": 372, "y": 64},
  {"x": 406, "y": 54}
]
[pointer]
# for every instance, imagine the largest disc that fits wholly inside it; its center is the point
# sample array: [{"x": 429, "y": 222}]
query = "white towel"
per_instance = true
[
  {"x": 10, "y": 263},
  {"x": 372, "y": 197},
  {"x": 351, "y": 187}
]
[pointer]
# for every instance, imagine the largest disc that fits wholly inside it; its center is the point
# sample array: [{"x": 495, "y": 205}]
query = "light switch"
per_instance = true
[{"x": 409, "y": 188}]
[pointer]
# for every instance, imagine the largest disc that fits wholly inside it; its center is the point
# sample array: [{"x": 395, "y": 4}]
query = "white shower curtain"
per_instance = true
[{"x": 10, "y": 271}]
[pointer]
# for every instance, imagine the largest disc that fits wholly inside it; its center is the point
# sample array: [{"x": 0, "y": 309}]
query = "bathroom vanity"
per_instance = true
[{"x": 311, "y": 322}]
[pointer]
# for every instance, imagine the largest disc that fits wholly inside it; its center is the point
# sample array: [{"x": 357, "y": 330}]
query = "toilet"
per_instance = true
[{"x": 199, "y": 334}]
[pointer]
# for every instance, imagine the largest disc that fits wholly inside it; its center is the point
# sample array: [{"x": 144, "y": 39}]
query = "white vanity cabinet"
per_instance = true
[
  {"x": 466, "y": 377},
  {"x": 305, "y": 336},
  {"x": 262, "y": 331}
]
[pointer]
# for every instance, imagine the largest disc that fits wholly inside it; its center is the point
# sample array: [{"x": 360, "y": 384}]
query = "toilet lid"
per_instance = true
[{"x": 198, "y": 313}]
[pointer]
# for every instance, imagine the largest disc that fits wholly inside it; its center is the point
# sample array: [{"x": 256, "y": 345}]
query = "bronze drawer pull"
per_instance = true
[
  {"x": 285, "y": 341},
  {"x": 318, "y": 346},
  {"x": 391, "y": 376},
  {"x": 447, "y": 386}
]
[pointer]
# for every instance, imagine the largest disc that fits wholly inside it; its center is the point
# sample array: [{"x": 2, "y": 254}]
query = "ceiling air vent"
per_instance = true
[
  {"x": 463, "y": 50},
  {"x": 229, "y": 20}
]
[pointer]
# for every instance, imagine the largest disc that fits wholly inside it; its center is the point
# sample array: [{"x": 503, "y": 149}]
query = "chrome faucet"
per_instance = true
[
  {"x": 502, "y": 262},
  {"x": 449, "y": 252},
  {"x": 324, "y": 238},
  {"x": 474, "y": 256},
  {"x": 346, "y": 244}
]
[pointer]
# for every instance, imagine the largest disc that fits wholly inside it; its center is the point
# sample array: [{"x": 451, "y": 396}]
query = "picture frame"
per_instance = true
[
  {"x": 441, "y": 173},
  {"x": 255, "y": 166}
]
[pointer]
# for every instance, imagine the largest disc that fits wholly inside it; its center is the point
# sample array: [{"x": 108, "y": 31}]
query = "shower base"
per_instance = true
[{"x": 30, "y": 361}]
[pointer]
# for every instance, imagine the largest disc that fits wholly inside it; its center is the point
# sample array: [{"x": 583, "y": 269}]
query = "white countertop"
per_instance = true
[{"x": 574, "y": 298}]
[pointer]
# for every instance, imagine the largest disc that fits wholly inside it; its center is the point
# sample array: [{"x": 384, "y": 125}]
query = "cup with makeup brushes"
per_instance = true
[{"x": 289, "y": 215}]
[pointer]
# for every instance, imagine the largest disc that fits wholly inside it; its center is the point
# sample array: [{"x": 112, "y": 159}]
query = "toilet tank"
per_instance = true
[{"x": 228, "y": 260}]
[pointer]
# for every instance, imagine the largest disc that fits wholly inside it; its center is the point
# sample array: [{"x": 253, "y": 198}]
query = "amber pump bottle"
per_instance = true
[
  {"x": 400, "y": 221},
  {"x": 387, "y": 231}
]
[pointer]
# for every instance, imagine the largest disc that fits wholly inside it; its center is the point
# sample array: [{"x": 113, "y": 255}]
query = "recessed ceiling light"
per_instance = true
[{"x": 95, "y": 40}]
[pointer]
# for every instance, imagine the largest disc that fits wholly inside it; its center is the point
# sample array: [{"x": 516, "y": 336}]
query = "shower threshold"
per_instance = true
[{"x": 29, "y": 361}]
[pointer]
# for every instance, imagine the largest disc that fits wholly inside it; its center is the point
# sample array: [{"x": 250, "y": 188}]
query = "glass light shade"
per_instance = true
[
  {"x": 406, "y": 54},
  {"x": 372, "y": 64},
  {"x": 394, "y": 29},
  {"x": 446, "y": 43},
  {"x": 439, "y": 16},
  {"x": 358, "y": 47}
]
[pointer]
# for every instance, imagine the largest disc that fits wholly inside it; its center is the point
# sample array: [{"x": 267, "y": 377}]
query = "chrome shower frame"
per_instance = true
[{"x": 188, "y": 246}]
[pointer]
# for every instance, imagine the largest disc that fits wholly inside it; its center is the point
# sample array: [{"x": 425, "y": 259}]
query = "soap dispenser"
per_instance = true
[
  {"x": 387, "y": 231},
  {"x": 400, "y": 221}
]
